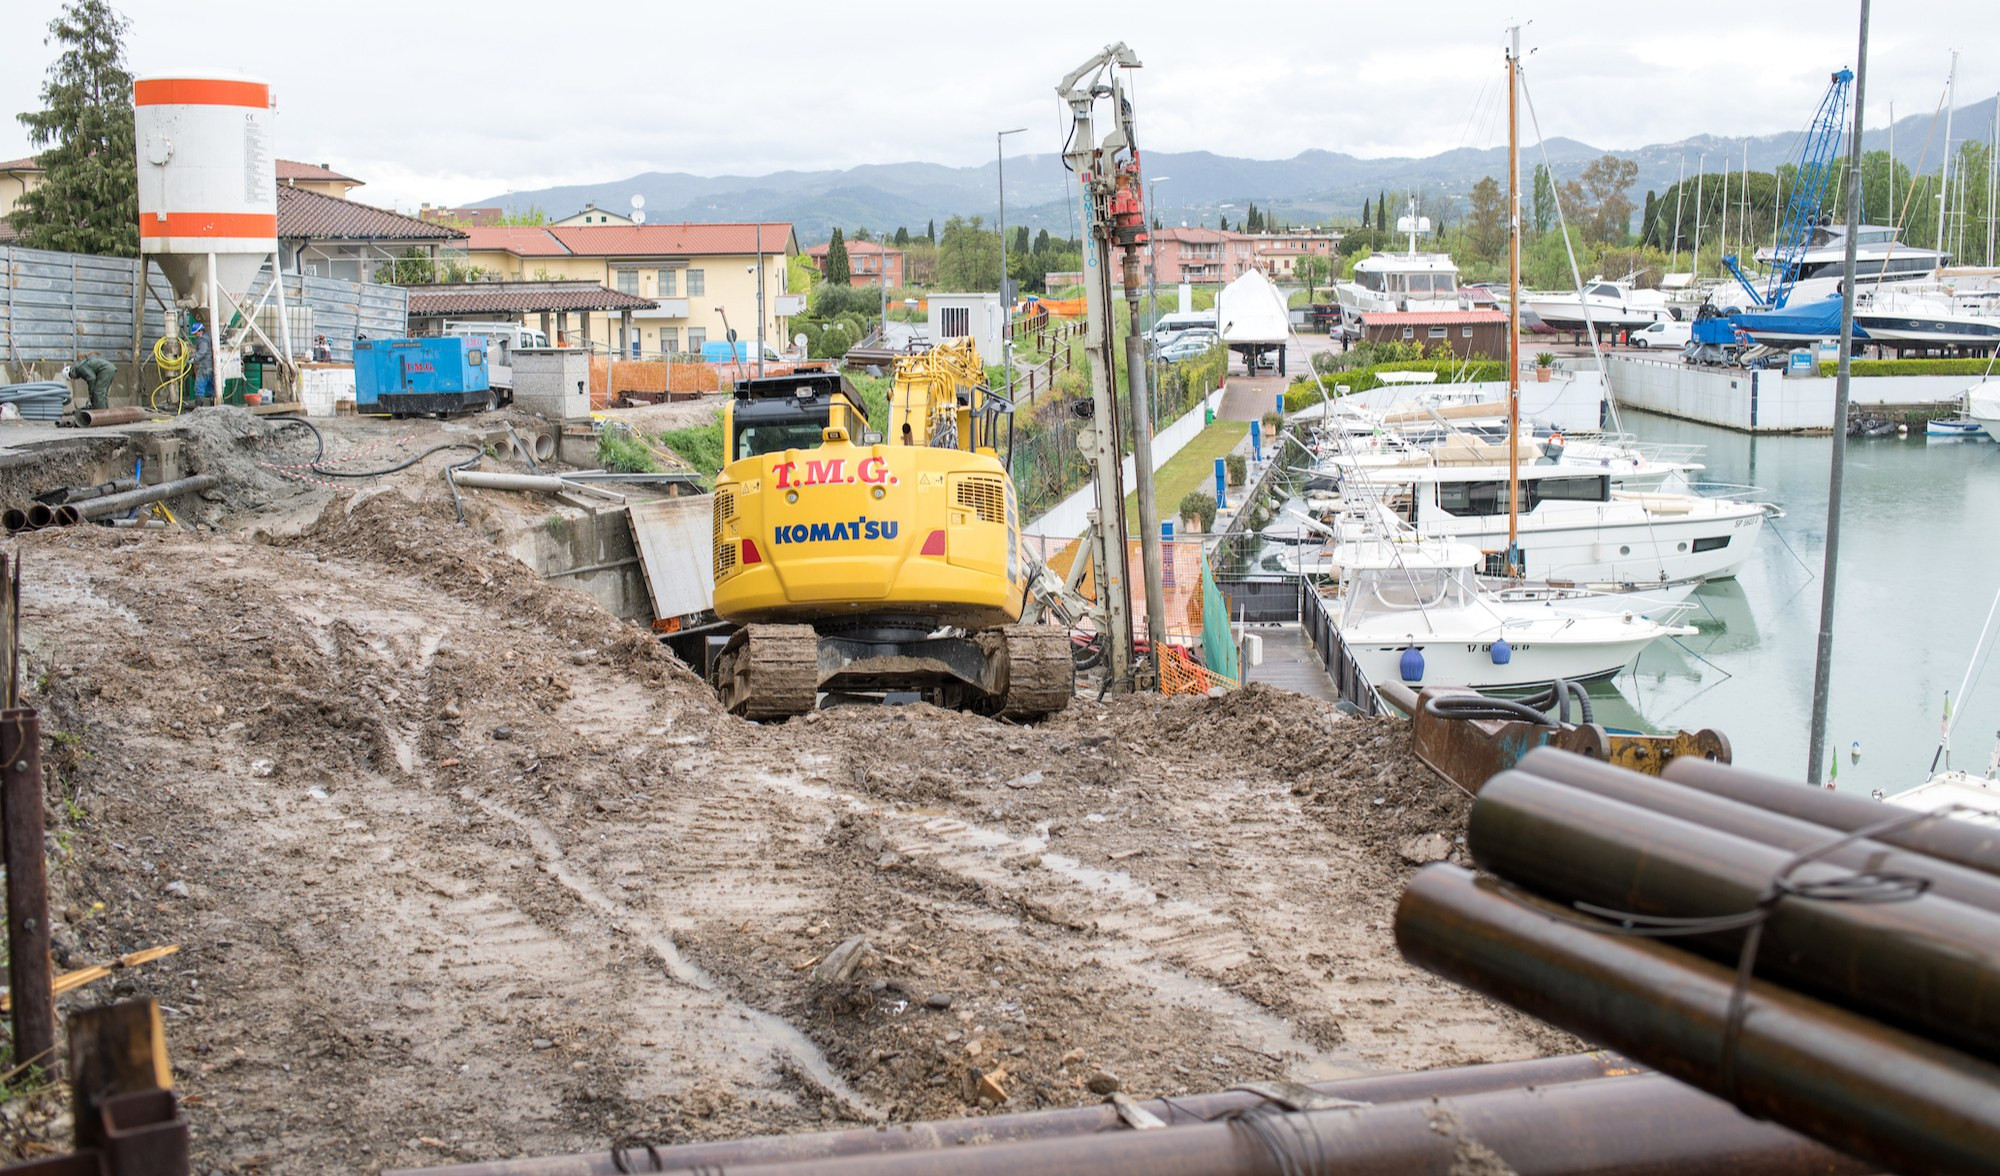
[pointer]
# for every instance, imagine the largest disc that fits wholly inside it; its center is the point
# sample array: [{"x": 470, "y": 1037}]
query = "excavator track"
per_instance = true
[
  {"x": 770, "y": 671},
  {"x": 1037, "y": 667}
]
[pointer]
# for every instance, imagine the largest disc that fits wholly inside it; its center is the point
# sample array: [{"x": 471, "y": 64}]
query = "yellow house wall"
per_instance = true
[
  {"x": 15, "y": 185},
  {"x": 729, "y": 281}
]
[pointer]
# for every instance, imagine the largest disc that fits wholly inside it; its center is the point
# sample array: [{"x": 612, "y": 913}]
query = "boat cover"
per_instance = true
[{"x": 1251, "y": 310}]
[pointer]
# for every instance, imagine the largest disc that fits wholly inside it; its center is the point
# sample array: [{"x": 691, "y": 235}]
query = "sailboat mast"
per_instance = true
[
  {"x": 1743, "y": 205},
  {"x": 1680, "y": 190},
  {"x": 1700, "y": 175},
  {"x": 1513, "y": 302},
  {"x": 1944, "y": 169},
  {"x": 1992, "y": 174}
]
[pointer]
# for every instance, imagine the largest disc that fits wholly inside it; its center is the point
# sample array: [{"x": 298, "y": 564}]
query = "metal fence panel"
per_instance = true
[{"x": 63, "y": 306}]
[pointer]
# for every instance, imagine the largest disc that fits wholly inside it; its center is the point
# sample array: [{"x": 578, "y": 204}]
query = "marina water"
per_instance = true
[{"x": 1919, "y": 565}]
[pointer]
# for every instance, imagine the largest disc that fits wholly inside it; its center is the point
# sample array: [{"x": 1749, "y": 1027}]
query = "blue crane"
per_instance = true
[{"x": 1822, "y": 145}]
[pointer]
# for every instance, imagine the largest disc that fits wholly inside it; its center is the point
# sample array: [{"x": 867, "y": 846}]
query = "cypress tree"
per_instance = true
[{"x": 837, "y": 269}]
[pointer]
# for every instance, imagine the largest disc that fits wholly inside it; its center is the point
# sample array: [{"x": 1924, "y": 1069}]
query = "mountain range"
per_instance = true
[{"x": 1195, "y": 187}]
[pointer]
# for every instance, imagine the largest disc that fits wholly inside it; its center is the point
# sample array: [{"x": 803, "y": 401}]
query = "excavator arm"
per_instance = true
[{"x": 939, "y": 399}]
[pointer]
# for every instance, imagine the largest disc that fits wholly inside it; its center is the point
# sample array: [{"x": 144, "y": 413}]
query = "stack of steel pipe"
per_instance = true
[
  {"x": 1588, "y": 1113},
  {"x": 1741, "y": 934},
  {"x": 38, "y": 515}
]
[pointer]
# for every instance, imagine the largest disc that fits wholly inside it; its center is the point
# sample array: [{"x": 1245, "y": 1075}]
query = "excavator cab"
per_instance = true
[{"x": 777, "y": 413}]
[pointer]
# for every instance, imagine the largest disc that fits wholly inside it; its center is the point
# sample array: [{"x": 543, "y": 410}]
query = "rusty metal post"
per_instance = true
[
  {"x": 1906, "y": 1103},
  {"x": 30, "y": 973}
]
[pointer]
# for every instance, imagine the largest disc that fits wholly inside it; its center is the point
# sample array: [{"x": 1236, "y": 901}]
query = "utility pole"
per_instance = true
[
  {"x": 1006, "y": 303},
  {"x": 1823, "y": 656},
  {"x": 760, "y": 300}
]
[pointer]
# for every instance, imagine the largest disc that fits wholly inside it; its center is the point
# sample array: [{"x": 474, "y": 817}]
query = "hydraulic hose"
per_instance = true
[
  {"x": 173, "y": 362},
  {"x": 1530, "y": 709}
]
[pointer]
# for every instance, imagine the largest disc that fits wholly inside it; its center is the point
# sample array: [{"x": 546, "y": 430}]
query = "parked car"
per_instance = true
[
  {"x": 1186, "y": 347},
  {"x": 1669, "y": 333}
]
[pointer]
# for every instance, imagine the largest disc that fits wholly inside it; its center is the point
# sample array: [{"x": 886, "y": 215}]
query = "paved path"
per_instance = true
[
  {"x": 1291, "y": 663},
  {"x": 1248, "y": 398}
]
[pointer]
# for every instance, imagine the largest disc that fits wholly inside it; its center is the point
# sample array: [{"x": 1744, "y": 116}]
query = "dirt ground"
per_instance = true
[{"x": 463, "y": 867}]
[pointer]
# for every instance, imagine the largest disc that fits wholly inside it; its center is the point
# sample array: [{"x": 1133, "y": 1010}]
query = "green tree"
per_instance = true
[
  {"x": 1487, "y": 222},
  {"x": 1042, "y": 243},
  {"x": 533, "y": 216},
  {"x": 861, "y": 234},
  {"x": 902, "y": 236},
  {"x": 1313, "y": 269},
  {"x": 1544, "y": 199},
  {"x": 930, "y": 232},
  {"x": 1381, "y": 212},
  {"x": 1364, "y": 212},
  {"x": 1020, "y": 242},
  {"x": 88, "y": 200},
  {"x": 838, "y": 271},
  {"x": 1648, "y": 220},
  {"x": 1222, "y": 223},
  {"x": 968, "y": 256},
  {"x": 1605, "y": 182}
]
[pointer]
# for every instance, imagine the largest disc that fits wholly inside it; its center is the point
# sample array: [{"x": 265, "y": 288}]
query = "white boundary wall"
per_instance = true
[
  {"x": 1067, "y": 519},
  {"x": 1765, "y": 401}
]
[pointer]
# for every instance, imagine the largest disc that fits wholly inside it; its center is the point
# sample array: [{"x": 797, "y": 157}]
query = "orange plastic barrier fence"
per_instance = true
[{"x": 609, "y": 377}]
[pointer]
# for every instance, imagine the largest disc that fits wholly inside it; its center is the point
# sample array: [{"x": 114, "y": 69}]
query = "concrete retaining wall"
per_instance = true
[
  {"x": 592, "y": 552},
  {"x": 1767, "y": 401}
]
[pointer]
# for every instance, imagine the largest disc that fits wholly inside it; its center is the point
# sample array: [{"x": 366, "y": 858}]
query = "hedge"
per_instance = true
[
  {"x": 1910, "y": 367},
  {"x": 1305, "y": 393}
]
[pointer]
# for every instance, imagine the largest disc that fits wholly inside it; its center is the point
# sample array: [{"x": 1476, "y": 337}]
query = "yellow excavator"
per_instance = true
[{"x": 856, "y": 563}]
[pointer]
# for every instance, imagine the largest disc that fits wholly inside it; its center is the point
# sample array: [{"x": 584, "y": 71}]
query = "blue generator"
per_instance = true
[{"x": 437, "y": 376}]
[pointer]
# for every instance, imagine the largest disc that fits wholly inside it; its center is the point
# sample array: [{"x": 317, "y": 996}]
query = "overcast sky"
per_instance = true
[{"x": 452, "y": 102}]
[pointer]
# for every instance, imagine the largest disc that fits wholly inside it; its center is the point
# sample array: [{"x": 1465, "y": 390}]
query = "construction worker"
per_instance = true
[
  {"x": 204, "y": 363},
  {"x": 96, "y": 372}
]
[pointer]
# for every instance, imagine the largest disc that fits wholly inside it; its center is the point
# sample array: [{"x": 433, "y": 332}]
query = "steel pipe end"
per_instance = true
[
  {"x": 39, "y": 516},
  {"x": 68, "y": 516},
  {"x": 14, "y": 519}
]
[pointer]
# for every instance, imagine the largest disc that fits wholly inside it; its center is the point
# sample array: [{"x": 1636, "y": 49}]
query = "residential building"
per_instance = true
[
  {"x": 1202, "y": 255},
  {"x": 701, "y": 279},
  {"x": 329, "y": 237},
  {"x": 590, "y": 214},
  {"x": 867, "y": 262},
  {"x": 315, "y": 177},
  {"x": 462, "y": 218},
  {"x": 18, "y": 177}
]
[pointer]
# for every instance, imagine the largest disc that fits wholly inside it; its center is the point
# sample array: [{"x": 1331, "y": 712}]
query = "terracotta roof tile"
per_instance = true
[
  {"x": 303, "y": 213},
  {"x": 670, "y": 240},
  {"x": 519, "y": 297},
  {"x": 1423, "y": 318},
  {"x": 292, "y": 169},
  {"x": 25, "y": 163},
  {"x": 519, "y": 240}
]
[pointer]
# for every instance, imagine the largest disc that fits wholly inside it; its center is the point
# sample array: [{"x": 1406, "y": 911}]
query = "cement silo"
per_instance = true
[{"x": 208, "y": 204}]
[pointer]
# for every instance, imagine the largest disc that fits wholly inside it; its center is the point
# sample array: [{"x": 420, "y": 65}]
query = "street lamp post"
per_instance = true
[
  {"x": 1153, "y": 288},
  {"x": 1006, "y": 306}
]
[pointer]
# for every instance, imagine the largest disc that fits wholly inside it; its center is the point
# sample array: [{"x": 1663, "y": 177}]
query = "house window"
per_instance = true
[
  {"x": 697, "y": 335},
  {"x": 1440, "y": 332},
  {"x": 628, "y": 281},
  {"x": 1409, "y": 332},
  {"x": 1465, "y": 332},
  {"x": 670, "y": 338},
  {"x": 955, "y": 321},
  {"x": 697, "y": 283},
  {"x": 667, "y": 281}
]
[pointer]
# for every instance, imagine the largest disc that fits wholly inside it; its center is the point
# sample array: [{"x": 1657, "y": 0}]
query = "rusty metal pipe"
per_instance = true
[
  {"x": 90, "y": 418},
  {"x": 1647, "y": 1125},
  {"x": 14, "y": 519},
  {"x": 1903, "y": 1102},
  {"x": 30, "y": 973},
  {"x": 40, "y": 515},
  {"x": 68, "y": 516},
  {"x": 1924, "y": 963},
  {"x": 111, "y": 504},
  {"x": 1966, "y": 844},
  {"x": 114, "y": 486},
  {"x": 1715, "y": 811},
  {"x": 1071, "y": 1121}
]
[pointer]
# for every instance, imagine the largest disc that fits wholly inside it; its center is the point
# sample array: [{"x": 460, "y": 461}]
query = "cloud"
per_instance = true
[{"x": 447, "y": 104}]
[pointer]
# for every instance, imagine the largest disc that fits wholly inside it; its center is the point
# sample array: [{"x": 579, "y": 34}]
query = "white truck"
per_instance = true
[{"x": 502, "y": 341}]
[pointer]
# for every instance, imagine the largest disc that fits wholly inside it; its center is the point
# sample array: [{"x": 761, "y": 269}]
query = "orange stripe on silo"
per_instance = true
[
  {"x": 260, "y": 225},
  {"x": 200, "y": 92}
]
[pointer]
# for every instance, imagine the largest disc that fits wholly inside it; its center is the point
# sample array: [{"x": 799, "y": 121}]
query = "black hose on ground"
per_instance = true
[
  {"x": 308, "y": 426},
  {"x": 401, "y": 465},
  {"x": 1530, "y": 709}
]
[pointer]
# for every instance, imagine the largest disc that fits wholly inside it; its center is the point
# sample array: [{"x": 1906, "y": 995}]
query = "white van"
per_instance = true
[
  {"x": 502, "y": 341},
  {"x": 1671, "y": 334},
  {"x": 1171, "y": 325}
]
